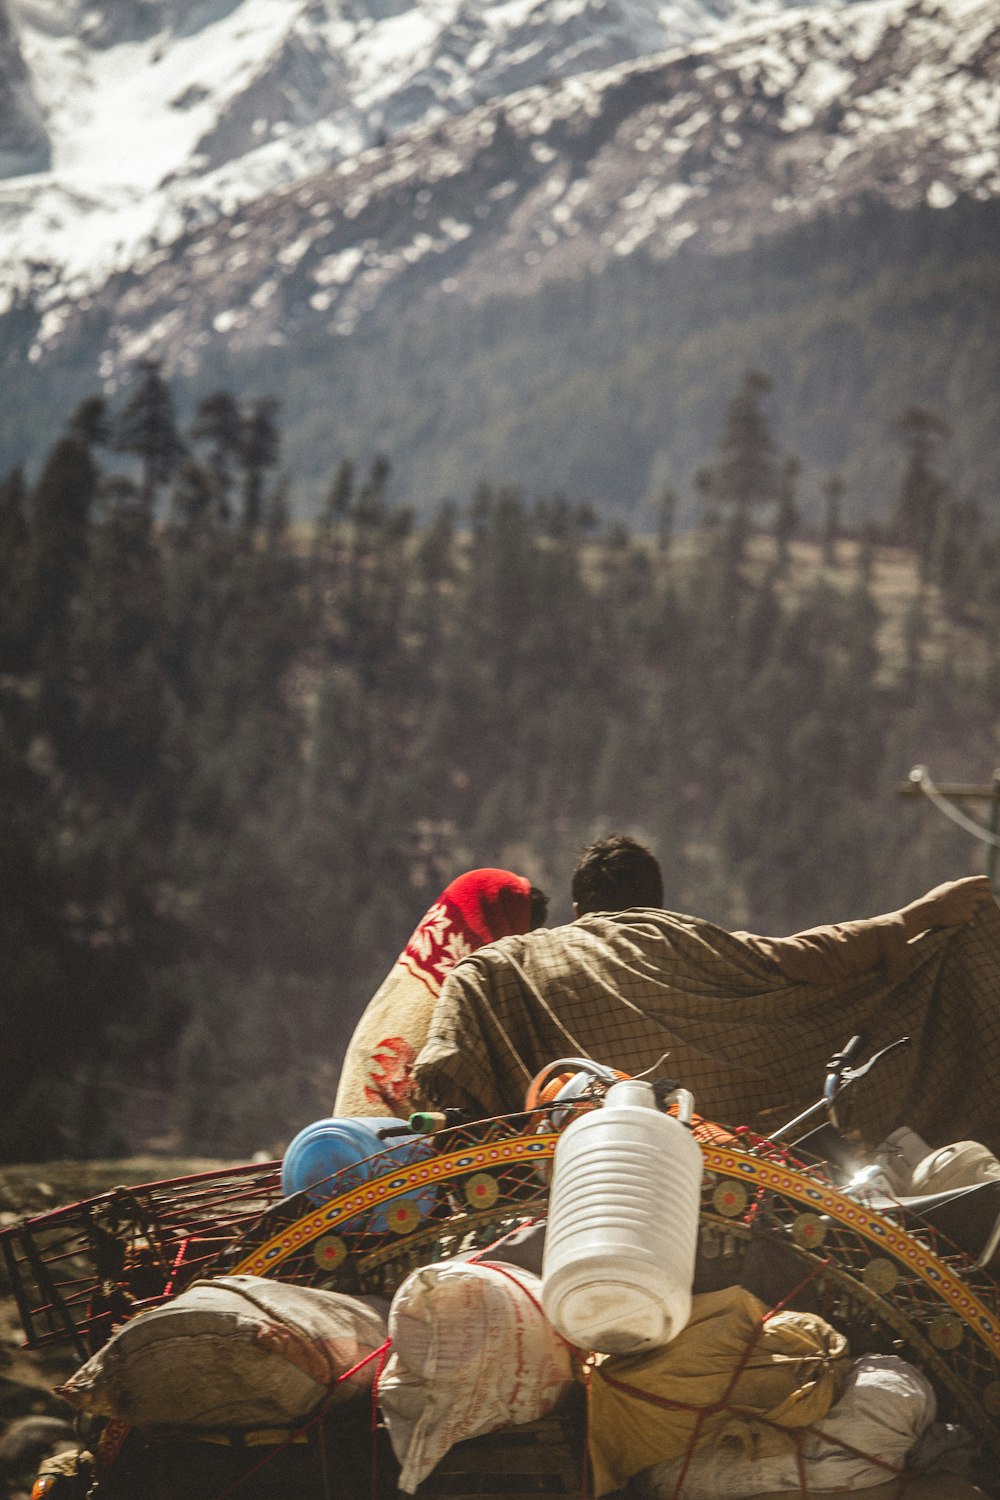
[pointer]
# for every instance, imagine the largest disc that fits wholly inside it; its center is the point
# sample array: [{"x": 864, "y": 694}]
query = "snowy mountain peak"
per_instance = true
[
  {"x": 708, "y": 149},
  {"x": 130, "y": 120}
]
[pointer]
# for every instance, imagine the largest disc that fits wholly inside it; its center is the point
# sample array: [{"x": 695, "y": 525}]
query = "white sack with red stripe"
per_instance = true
[{"x": 472, "y": 1351}]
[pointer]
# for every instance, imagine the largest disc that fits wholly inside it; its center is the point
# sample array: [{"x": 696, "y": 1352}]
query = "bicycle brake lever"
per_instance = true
[
  {"x": 836, "y": 1070},
  {"x": 851, "y": 1075},
  {"x": 839, "y": 1060}
]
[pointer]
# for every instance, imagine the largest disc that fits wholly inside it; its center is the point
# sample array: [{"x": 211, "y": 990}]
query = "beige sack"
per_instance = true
[
  {"x": 240, "y": 1351},
  {"x": 886, "y": 1406}
]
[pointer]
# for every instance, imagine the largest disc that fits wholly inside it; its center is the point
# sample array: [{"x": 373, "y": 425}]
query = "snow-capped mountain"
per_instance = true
[
  {"x": 122, "y": 121},
  {"x": 709, "y": 149},
  {"x": 301, "y": 195}
]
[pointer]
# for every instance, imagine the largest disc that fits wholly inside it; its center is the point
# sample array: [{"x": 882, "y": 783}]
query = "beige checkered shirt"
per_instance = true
[{"x": 748, "y": 1040}]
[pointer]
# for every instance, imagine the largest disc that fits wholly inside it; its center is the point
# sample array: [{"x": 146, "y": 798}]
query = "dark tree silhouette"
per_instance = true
[
  {"x": 259, "y": 451},
  {"x": 218, "y": 425},
  {"x": 147, "y": 427},
  {"x": 833, "y": 494},
  {"x": 745, "y": 474}
]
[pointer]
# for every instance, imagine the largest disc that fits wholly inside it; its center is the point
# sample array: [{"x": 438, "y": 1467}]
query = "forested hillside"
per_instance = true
[
  {"x": 611, "y": 386},
  {"x": 240, "y": 757}
]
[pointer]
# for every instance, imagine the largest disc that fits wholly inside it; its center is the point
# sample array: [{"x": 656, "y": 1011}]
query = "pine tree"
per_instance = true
[
  {"x": 666, "y": 516},
  {"x": 745, "y": 474},
  {"x": 786, "y": 520},
  {"x": 48, "y": 990},
  {"x": 375, "y": 578},
  {"x": 147, "y": 427},
  {"x": 15, "y": 541},
  {"x": 833, "y": 494},
  {"x": 60, "y": 511},
  {"x": 703, "y": 481},
  {"x": 194, "y": 499},
  {"x": 91, "y": 422},
  {"x": 218, "y": 425},
  {"x": 259, "y": 451},
  {"x": 954, "y": 555},
  {"x": 335, "y": 509},
  {"x": 121, "y": 692}
]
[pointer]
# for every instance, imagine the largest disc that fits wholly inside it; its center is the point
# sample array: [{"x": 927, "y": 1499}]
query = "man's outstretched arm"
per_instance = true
[{"x": 823, "y": 955}]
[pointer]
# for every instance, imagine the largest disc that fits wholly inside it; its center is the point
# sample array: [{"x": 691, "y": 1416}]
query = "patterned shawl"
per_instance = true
[{"x": 481, "y": 905}]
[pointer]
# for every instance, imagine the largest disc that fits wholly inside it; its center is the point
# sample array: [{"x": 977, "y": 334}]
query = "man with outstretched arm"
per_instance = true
[{"x": 748, "y": 1022}]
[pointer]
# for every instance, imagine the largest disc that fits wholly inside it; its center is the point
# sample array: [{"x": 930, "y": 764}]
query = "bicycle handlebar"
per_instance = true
[{"x": 838, "y": 1076}]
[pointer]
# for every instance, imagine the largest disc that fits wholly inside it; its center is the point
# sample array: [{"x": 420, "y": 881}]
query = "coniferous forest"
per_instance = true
[{"x": 241, "y": 755}]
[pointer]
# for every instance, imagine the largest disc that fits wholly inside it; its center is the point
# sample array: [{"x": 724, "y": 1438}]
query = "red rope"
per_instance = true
[
  {"x": 720, "y": 1406},
  {"x": 790, "y": 1296},
  {"x": 475, "y": 1259},
  {"x": 492, "y": 1265},
  {"x": 879, "y": 1463},
  {"x": 585, "y": 1465},
  {"x": 511, "y": 1275},
  {"x": 800, "y": 1465},
  {"x": 725, "y": 1403},
  {"x": 703, "y": 1411}
]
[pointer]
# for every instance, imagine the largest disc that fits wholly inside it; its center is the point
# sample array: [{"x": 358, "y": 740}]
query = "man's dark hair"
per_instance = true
[{"x": 614, "y": 874}]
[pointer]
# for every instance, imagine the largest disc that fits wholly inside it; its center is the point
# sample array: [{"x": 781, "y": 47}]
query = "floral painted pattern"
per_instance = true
[
  {"x": 478, "y": 907},
  {"x": 439, "y": 942},
  {"x": 390, "y": 1081}
]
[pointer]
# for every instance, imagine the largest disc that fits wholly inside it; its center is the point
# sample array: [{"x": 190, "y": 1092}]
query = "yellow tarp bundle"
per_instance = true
[{"x": 646, "y": 1408}]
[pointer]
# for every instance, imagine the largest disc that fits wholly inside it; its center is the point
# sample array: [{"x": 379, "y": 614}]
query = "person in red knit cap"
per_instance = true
[{"x": 479, "y": 907}]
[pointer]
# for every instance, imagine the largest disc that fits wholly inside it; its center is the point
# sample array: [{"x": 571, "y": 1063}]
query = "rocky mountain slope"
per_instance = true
[
  {"x": 161, "y": 112},
  {"x": 350, "y": 259},
  {"x": 24, "y": 142},
  {"x": 707, "y": 149}
]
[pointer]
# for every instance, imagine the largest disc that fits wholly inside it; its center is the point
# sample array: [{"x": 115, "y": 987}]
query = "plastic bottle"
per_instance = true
[
  {"x": 330, "y": 1157},
  {"x": 623, "y": 1224}
]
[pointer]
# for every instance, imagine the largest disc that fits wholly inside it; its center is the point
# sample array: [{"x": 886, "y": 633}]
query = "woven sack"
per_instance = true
[
  {"x": 885, "y": 1407},
  {"x": 239, "y": 1351},
  {"x": 472, "y": 1351}
]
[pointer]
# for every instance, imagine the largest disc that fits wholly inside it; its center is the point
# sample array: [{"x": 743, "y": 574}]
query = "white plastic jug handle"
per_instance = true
[{"x": 685, "y": 1105}]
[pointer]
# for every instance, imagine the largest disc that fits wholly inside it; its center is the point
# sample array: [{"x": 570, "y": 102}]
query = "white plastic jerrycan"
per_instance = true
[{"x": 623, "y": 1224}]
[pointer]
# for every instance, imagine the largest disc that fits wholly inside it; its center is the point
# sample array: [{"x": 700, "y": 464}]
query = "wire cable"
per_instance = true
[{"x": 922, "y": 777}]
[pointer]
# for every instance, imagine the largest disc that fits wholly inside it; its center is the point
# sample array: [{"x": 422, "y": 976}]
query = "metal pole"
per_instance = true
[
  {"x": 947, "y": 795},
  {"x": 991, "y": 848}
]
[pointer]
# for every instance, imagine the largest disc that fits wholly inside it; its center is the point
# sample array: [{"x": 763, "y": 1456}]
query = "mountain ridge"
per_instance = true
[
  {"x": 334, "y": 287},
  {"x": 24, "y": 140},
  {"x": 225, "y": 100},
  {"x": 550, "y": 182}
]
